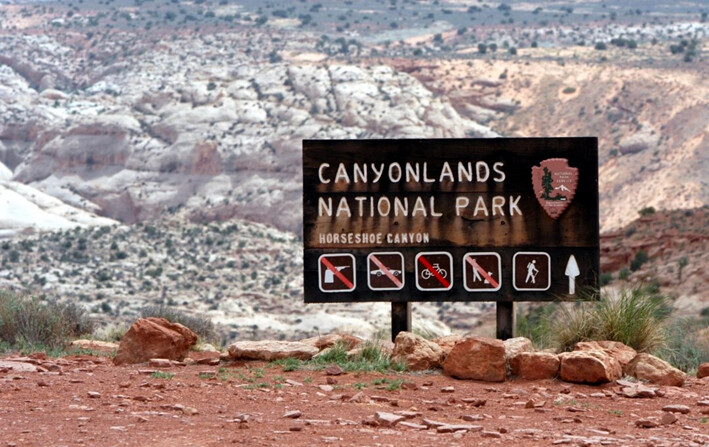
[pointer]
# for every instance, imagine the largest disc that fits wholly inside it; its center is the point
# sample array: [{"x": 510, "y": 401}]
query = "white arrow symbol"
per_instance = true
[{"x": 572, "y": 271}]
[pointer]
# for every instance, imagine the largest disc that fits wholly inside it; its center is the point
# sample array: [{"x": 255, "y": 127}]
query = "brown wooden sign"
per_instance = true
[{"x": 450, "y": 219}]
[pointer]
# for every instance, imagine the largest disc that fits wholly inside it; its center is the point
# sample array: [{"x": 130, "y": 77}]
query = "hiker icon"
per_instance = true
[{"x": 532, "y": 272}]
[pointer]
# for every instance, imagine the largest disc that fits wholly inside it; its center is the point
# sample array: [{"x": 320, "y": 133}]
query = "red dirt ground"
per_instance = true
[{"x": 86, "y": 401}]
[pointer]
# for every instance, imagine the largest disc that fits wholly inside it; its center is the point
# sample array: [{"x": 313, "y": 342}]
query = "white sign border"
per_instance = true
[
  {"x": 416, "y": 271},
  {"x": 403, "y": 270},
  {"x": 354, "y": 274},
  {"x": 514, "y": 271},
  {"x": 499, "y": 271}
]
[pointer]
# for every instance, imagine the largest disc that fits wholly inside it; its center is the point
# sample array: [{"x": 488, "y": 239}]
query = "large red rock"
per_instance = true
[
  {"x": 650, "y": 368},
  {"x": 535, "y": 365},
  {"x": 620, "y": 351},
  {"x": 589, "y": 367},
  {"x": 151, "y": 338},
  {"x": 703, "y": 371},
  {"x": 418, "y": 353},
  {"x": 477, "y": 358}
]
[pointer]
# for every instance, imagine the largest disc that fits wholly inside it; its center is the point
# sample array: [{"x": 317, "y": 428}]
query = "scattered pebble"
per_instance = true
[
  {"x": 412, "y": 425},
  {"x": 474, "y": 402},
  {"x": 160, "y": 363},
  {"x": 668, "y": 419},
  {"x": 683, "y": 409},
  {"x": 293, "y": 414},
  {"x": 491, "y": 434},
  {"x": 333, "y": 370},
  {"x": 646, "y": 423},
  {"x": 387, "y": 419},
  {"x": 454, "y": 428}
]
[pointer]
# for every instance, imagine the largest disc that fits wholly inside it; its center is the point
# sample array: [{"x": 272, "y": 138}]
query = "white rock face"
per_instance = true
[
  {"x": 23, "y": 207},
  {"x": 220, "y": 141},
  {"x": 5, "y": 173}
]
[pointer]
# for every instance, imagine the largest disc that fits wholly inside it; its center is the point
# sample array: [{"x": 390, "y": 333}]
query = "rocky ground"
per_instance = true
[{"x": 85, "y": 400}]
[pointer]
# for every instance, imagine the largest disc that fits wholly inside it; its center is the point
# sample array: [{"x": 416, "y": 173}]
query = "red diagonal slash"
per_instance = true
[
  {"x": 337, "y": 273},
  {"x": 433, "y": 271},
  {"x": 386, "y": 271},
  {"x": 482, "y": 271}
]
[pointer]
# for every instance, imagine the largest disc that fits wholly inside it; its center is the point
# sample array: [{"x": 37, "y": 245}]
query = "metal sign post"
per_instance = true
[{"x": 501, "y": 220}]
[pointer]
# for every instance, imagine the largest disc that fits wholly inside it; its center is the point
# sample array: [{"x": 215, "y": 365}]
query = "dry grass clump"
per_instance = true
[{"x": 634, "y": 316}]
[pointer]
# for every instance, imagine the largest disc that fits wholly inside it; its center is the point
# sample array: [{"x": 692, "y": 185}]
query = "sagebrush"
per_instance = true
[{"x": 29, "y": 323}]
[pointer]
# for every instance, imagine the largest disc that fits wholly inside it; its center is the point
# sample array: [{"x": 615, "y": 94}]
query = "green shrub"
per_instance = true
[
  {"x": 683, "y": 348},
  {"x": 533, "y": 322},
  {"x": 633, "y": 316},
  {"x": 27, "y": 323},
  {"x": 202, "y": 326},
  {"x": 646, "y": 211},
  {"x": 337, "y": 353},
  {"x": 639, "y": 259},
  {"x": 569, "y": 90},
  {"x": 606, "y": 278},
  {"x": 572, "y": 323}
]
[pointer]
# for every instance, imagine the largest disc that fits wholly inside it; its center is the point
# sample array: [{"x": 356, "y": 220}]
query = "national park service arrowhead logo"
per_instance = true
[{"x": 554, "y": 183}]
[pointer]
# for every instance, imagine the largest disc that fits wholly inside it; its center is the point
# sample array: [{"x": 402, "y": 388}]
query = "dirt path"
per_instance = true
[{"x": 86, "y": 401}]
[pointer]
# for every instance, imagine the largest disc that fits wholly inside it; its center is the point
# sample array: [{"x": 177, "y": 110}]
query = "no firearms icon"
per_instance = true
[{"x": 337, "y": 273}]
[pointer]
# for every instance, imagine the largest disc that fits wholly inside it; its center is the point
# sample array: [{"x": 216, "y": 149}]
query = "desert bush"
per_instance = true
[
  {"x": 532, "y": 321},
  {"x": 646, "y": 211},
  {"x": 606, "y": 278},
  {"x": 28, "y": 323},
  {"x": 201, "y": 325},
  {"x": 112, "y": 333},
  {"x": 684, "y": 348},
  {"x": 639, "y": 259},
  {"x": 632, "y": 316}
]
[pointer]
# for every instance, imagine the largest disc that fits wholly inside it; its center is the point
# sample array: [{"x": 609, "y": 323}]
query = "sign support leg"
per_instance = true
[
  {"x": 505, "y": 319},
  {"x": 400, "y": 318}
]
